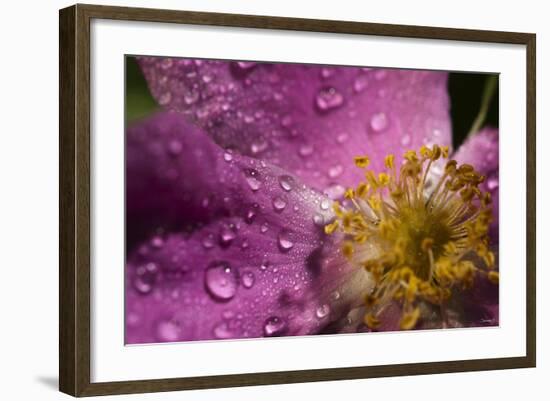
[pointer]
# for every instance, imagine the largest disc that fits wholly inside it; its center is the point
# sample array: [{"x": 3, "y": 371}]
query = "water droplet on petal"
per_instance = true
[
  {"x": 284, "y": 240},
  {"x": 380, "y": 74},
  {"x": 246, "y": 65},
  {"x": 335, "y": 191},
  {"x": 165, "y": 98},
  {"x": 274, "y": 326},
  {"x": 318, "y": 219},
  {"x": 157, "y": 241},
  {"x": 328, "y": 99},
  {"x": 279, "y": 204},
  {"x": 174, "y": 147},
  {"x": 250, "y": 214},
  {"x": 227, "y": 235},
  {"x": 221, "y": 281},
  {"x": 253, "y": 179},
  {"x": 248, "y": 279},
  {"x": 322, "y": 311},
  {"x": 168, "y": 330},
  {"x": 258, "y": 147},
  {"x": 343, "y": 137},
  {"x": 327, "y": 72},
  {"x": 263, "y": 228},
  {"x": 305, "y": 150},
  {"x": 325, "y": 204},
  {"x": 208, "y": 241},
  {"x": 222, "y": 331},
  {"x": 492, "y": 183},
  {"x": 406, "y": 140},
  {"x": 335, "y": 171},
  {"x": 286, "y": 182},
  {"x": 379, "y": 121},
  {"x": 228, "y": 156},
  {"x": 360, "y": 84},
  {"x": 146, "y": 276}
]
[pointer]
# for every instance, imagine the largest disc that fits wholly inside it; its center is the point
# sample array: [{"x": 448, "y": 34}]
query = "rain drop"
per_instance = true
[
  {"x": 343, "y": 137},
  {"x": 328, "y": 99},
  {"x": 222, "y": 331},
  {"x": 279, "y": 204},
  {"x": 175, "y": 147},
  {"x": 406, "y": 140},
  {"x": 146, "y": 277},
  {"x": 322, "y": 311},
  {"x": 263, "y": 228},
  {"x": 168, "y": 330},
  {"x": 228, "y": 156},
  {"x": 286, "y": 182},
  {"x": 379, "y": 121},
  {"x": 318, "y": 219},
  {"x": 335, "y": 171},
  {"x": 221, "y": 281},
  {"x": 253, "y": 179},
  {"x": 227, "y": 235},
  {"x": 274, "y": 326},
  {"x": 208, "y": 241},
  {"x": 248, "y": 279},
  {"x": 284, "y": 241},
  {"x": 360, "y": 84},
  {"x": 250, "y": 214},
  {"x": 258, "y": 147},
  {"x": 305, "y": 150},
  {"x": 325, "y": 204}
]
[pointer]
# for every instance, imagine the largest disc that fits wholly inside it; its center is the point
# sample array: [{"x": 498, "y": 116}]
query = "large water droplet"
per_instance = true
[
  {"x": 328, "y": 99},
  {"x": 248, "y": 279},
  {"x": 322, "y": 311},
  {"x": 279, "y": 204},
  {"x": 285, "y": 241},
  {"x": 274, "y": 326},
  {"x": 168, "y": 330},
  {"x": 325, "y": 204},
  {"x": 253, "y": 179},
  {"x": 146, "y": 276},
  {"x": 286, "y": 182},
  {"x": 379, "y": 121},
  {"x": 228, "y": 155},
  {"x": 221, "y": 281}
]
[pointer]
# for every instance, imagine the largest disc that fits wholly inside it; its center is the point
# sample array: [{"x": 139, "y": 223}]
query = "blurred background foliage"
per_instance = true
[{"x": 465, "y": 90}]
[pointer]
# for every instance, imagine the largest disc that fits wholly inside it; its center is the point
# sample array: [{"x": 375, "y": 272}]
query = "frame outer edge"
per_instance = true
[{"x": 67, "y": 131}]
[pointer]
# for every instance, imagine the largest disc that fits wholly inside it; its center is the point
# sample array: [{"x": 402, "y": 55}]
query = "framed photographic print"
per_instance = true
[{"x": 250, "y": 200}]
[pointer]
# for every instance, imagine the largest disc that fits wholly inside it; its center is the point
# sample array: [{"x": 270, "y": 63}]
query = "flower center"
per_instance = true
[{"x": 418, "y": 240}]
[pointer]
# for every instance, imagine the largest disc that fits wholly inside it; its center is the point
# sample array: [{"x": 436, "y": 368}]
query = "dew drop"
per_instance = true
[
  {"x": 335, "y": 171},
  {"x": 406, "y": 140},
  {"x": 279, "y": 204},
  {"x": 360, "y": 84},
  {"x": 492, "y": 183},
  {"x": 286, "y": 121},
  {"x": 228, "y": 156},
  {"x": 286, "y": 182},
  {"x": 305, "y": 150},
  {"x": 263, "y": 228},
  {"x": 380, "y": 74},
  {"x": 250, "y": 214},
  {"x": 379, "y": 121},
  {"x": 258, "y": 147},
  {"x": 335, "y": 191},
  {"x": 325, "y": 204},
  {"x": 322, "y": 311},
  {"x": 318, "y": 219},
  {"x": 253, "y": 179},
  {"x": 284, "y": 241},
  {"x": 328, "y": 99},
  {"x": 227, "y": 235},
  {"x": 246, "y": 65},
  {"x": 274, "y": 326},
  {"x": 327, "y": 72},
  {"x": 248, "y": 279},
  {"x": 221, "y": 281},
  {"x": 145, "y": 278},
  {"x": 175, "y": 147},
  {"x": 343, "y": 137},
  {"x": 191, "y": 97},
  {"x": 165, "y": 98},
  {"x": 168, "y": 330},
  {"x": 157, "y": 241}
]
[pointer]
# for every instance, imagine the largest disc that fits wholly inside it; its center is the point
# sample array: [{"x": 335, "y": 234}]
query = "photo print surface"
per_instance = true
[{"x": 276, "y": 199}]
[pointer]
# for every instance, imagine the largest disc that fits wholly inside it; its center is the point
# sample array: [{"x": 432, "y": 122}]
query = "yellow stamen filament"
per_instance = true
[{"x": 427, "y": 244}]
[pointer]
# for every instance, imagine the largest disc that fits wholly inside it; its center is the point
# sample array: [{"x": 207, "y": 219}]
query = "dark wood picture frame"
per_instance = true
[{"x": 74, "y": 204}]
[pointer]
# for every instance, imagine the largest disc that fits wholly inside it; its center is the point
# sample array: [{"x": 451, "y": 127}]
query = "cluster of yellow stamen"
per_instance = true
[{"x": 418, "y": 244}]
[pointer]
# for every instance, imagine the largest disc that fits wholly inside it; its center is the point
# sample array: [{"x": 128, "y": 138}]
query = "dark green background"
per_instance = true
[{"x": 465, "y": 90}]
